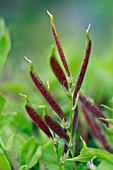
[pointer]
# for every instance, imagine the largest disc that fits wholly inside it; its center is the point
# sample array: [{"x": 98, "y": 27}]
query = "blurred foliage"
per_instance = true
[{"x": 30, "y": 31}]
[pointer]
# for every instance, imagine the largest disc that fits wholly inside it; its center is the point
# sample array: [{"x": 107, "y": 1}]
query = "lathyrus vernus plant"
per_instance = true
[{"x": 65, "y": 127}]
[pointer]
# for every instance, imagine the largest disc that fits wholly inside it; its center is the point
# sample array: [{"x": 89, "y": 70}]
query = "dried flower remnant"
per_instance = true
[
  {"x": 36, "y": 118},
  {"x": 45, "y": 93},
  {"x": 58, "y": 70},
  {"x": 92, "y": 108},
  {"x": 56, "y": 128},
  {"x": 63, "y": 59},
  {"x": 83, "y": 67}
]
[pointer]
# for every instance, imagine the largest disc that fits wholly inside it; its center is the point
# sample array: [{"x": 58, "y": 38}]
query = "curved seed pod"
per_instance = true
[
  {"x": 56, "y": 128},
  {"x": 92, "y": 108},
  {"x": 83, "y": 67},
  {"x": 36, "y": 118},
  {"x": 96, "y": 130},
  {"x": 45, "y": 93},
  {"x": 63, "y": 59},
  {"x": 75, "y": 119},
  {"x": 58, "y": 70}
]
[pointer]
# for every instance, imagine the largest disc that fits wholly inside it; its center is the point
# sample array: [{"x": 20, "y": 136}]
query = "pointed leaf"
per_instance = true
[
  {"x": 110, "y": 121},
  {"x": 92, "y": 108},
  {"x": 5, "y": 42},
  {"x": 56, "y": 128},
  {"x": 4, "y": 164},
  {"x": 60, "y": 50},
  {"x": 83, "y": 67},
  {"x": 87, "y": 154},
  {"x": 58, "y": 71},
  {"x": 2, "y": 102}
]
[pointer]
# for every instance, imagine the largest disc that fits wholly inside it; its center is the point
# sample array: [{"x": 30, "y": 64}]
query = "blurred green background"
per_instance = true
[{"x": 31, "y": 36}]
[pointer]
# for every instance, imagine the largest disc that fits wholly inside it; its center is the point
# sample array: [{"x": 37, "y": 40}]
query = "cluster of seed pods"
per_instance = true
[{"x": 47, "y": 123}]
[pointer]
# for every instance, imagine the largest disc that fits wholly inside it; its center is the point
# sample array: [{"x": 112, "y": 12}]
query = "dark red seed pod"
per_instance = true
[
  {"x": 90, "y": 121},
  {"x": 61, "y": 53},
  {"x": 75, "y": 119},
  {"x": 56, "y": 128},
  {"x": 45, "y": 93},
  {"x": 58, "y": 71},
  {"x": 37, "y": 119},
  {"x": 92, "y": 108},
  {"x": 83, "y": 67},
  {"x": 96, "y": 130}
]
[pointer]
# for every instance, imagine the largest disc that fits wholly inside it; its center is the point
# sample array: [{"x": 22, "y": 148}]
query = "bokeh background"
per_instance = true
[{"x": 31, "y": 36}]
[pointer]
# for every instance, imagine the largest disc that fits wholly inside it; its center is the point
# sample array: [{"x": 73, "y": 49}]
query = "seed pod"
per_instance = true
[
  {"x": 96, "y": 130},
  {"x": 58, "y": 70},
  {"x": 63, "y": 59},
  {"x": 90, "y": 122},
  {"x": 56, "y": 128},
  {"x": 36, "y": 118},
  {"x": 83, "y": 67},
  {"x": 75, "y": 119},
  {"x": 45, "y": 93},
  {"x": 92, "y": 108}
]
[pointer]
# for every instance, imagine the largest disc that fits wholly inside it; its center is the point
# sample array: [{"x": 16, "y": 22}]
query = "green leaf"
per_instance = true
[
  {"x": 87, "y": 154},
  {"x": 4, "y": 121},
  {"x": 5, "y": 42},
  {"x": 49, "y": 157},
  {"x": 30, "y": 154},
  {"x": 104, "y": 165},
  {"x": 20, "y": 119},
  {"x": 10, "y": 141},
  {"x": 2, "y": 102},
  {"x": 4, "y": 164},
  {"x": 110, "y": 121}
]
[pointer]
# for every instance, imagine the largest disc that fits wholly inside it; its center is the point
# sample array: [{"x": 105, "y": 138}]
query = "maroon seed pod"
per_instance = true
[
  {"x": 90, "y": 122},
  {"x": 36, "y": 118},
  {"x": 96, "y": 130},
  {"x": 83, "y": 67},
  {"x": 45, "y": 93},
  {"x": 58, "y": 70},
  {"x": 75, "y": 119},
  {"x": 56, "y": 128},
  {"x": 92, "y": 108},
  {"x": 63, "y": 59}
]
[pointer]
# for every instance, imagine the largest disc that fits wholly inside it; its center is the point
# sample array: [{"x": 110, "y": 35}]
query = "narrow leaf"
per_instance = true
[
  {"x": 36, "y": 118},
  {"x": 45, "y": 93},
  {"x": 5, "y": 42},
  {"x": 87, "y": 154},
  {"x": 2, "y": 102},
  {"x": 4, "y": 164},
  {"x": 92, "y": 108},
  {"x": 60, "y": 50},
  {"x": 75, "y": 119},
  {"x": 56, "y": 128},
  {"x": 110, "y": 121},
  {"x": 83, "y": 67},
  {"x": 58, "y": 70},
  {"x": 96, "y": 130}
]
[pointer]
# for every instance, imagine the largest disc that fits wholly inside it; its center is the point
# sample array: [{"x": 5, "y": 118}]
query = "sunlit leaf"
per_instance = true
[
  {"x": 30, "y": 153},
  {"x": 4, "y": 164},
  {"x": 5, "y": 42},
  {"x": 2, "y": 102},
  {"x": 87, "y": 154}
]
